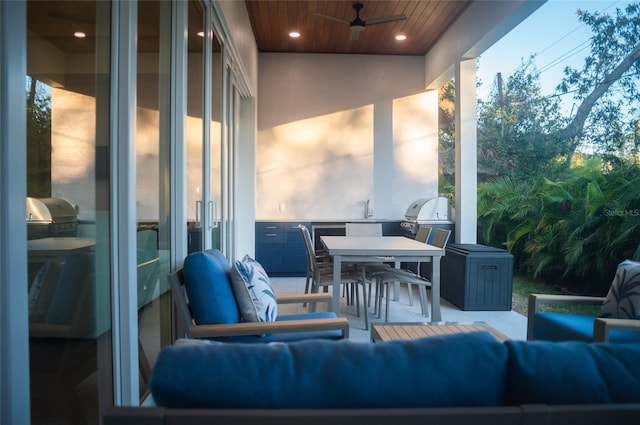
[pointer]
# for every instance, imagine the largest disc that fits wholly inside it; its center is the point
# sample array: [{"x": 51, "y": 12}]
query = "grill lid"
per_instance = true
[
  {"x": 49, "y": 210},
  {"x": 428, "y": 209}
]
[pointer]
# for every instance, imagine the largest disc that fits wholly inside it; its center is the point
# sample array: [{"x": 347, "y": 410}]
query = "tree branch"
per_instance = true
[{"x": 575, "y": 127}]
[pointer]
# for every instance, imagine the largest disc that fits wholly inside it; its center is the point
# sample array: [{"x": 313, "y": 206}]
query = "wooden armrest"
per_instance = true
[
  {"x": 536, "y": 300},
  {"x": 262, "y": 328},
  {"x": 602, "y": 327},
  {"x": 303, "y": 298}
]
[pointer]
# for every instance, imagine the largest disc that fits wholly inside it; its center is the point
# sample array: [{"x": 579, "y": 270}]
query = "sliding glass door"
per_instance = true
[
  {"x": 153, "y": 165},
  {"x": 204, "y": 141},
  {"x": 69, "y": 209}
]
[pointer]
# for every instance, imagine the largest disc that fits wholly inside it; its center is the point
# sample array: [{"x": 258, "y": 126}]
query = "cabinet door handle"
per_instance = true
[
  {"x": 270, "y": 227},
  {"x": 271, "y": 235}
]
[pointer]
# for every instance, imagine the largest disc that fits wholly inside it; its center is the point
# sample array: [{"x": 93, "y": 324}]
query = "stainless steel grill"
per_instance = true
[
  {"x": 425, "y": 211},
  {"x": 50, "y": 217}
]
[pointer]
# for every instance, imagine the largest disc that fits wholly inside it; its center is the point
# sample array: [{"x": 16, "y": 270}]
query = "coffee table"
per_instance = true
[{"x": 392, "y": 331}]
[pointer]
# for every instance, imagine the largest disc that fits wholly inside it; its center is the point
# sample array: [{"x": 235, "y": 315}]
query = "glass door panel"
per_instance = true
[
  {"x": 215, "y": 160},
  {"x": 68, "y": 180},
  {"x": 194, "y": 125},
  {"x": 153, "y": 168},
  {"x": 232, "y": 104}
]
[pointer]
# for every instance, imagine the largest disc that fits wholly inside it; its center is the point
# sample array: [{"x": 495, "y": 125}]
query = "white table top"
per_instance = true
[{"x": 379, "y": 245}]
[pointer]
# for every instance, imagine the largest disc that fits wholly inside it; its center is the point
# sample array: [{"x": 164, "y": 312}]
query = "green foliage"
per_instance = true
[
  {"x": 38, "y": 140},
  {"x": 576, "y": 228},
  {"x": 518, "y": 128},
  {"x": 567, "y": 216}
]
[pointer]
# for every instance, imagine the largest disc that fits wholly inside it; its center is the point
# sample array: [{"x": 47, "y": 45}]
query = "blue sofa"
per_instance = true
[{"x": 463, "y": 378}]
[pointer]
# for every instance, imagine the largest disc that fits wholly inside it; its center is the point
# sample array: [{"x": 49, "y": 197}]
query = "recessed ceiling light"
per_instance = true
[
  {"x": 201, "y": 34},
  {"x": 401, "y": 37},
  {"x": 79, "y": 34},
  {"x": 294, "y": 34}
]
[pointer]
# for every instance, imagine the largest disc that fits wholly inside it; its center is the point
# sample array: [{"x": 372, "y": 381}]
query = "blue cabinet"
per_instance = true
[{"x": 280, "y": 248}]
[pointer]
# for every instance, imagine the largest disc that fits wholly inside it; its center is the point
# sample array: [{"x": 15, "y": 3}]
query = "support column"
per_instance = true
[{"x": 466, "y": 153}]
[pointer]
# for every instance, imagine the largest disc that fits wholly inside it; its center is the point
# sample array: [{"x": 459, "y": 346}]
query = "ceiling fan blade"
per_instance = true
[
  {"x": 322, "y": 15},
  {"x": 386, "y": 19},
  {"x": 355, "y": 33}
]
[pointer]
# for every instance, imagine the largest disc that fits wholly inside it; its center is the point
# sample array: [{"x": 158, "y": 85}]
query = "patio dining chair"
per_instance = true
[
  {"x": 409, "y": 277},
  {"x": 365, "y": 270},
  {"x": 320, "y": 271}
]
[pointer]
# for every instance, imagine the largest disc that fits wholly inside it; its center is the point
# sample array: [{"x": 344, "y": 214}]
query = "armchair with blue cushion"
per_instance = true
[
  {"x": 235, "y": 303},
  {"x": 617, "y": 321}
]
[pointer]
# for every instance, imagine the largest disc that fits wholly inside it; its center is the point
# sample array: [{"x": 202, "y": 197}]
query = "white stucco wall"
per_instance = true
[{"x": 336, "y": 130}]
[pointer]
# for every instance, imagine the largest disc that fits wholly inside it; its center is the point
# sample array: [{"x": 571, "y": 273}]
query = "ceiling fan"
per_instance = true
[{"x": 358, "y": 25}]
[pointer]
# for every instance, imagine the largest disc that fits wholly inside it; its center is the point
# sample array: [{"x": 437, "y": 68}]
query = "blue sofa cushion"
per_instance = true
[
  {"x": 253, "y": 291},
  {"x": 623, "y": 299},
  {"x": 572, "y": 372},
  {"x": 206, "y": 280},
  {"x": 450, "y": 370}
]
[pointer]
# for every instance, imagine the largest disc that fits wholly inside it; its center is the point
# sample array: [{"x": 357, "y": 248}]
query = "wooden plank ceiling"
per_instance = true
[{"x": 426, "y": 22}]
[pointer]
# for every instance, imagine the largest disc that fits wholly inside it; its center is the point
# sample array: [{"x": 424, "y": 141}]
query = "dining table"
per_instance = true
[{"x": 376, "y": 249}]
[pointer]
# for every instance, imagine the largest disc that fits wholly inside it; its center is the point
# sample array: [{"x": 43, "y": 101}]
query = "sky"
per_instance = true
[{"x": 554, "y": 34}]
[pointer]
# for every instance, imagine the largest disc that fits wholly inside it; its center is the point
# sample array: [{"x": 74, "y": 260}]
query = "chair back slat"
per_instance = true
[
  {"x": 308, "y": 244},
  {"x": 441, "y": 238},
  {"x": 423, "y": 234}
]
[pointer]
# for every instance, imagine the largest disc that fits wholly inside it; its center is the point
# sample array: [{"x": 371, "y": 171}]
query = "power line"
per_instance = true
[
  {"x": 571, "y": 52},
  {"x": 560, "y": 59}
]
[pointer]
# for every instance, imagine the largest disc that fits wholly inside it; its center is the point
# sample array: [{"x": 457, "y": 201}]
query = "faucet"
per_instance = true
[{"x": 368, "y": 209}]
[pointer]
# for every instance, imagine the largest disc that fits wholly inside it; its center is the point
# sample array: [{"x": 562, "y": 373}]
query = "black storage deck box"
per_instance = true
[{"x": 477, "y": 277}]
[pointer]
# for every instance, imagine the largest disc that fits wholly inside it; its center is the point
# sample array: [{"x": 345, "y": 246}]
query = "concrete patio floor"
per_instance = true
[{"x": 510, "y": 323}]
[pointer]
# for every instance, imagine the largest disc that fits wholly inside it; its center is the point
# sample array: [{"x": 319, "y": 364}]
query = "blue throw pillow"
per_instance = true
[
  {"x": 253, "y": 291},
  {"x": 572, "y": 372},
  {"x": 623, "y": 299},
  {"x": 206, "y": 280},
  {"x": 451, "y": 370}
]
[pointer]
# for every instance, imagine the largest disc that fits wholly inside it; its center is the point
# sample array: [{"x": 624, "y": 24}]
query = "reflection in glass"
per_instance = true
[
  {"x": 152, "y": 194},
  {"x": 68, "y": 215},
  {"x": 194, "y": 125},
  {"x": 215, "y": 165}
]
